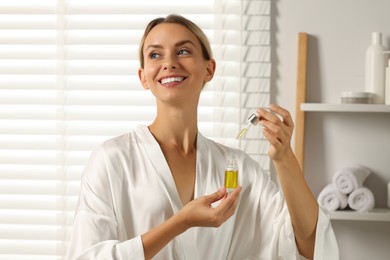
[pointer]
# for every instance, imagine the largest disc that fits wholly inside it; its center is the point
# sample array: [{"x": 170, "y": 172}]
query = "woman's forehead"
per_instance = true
[{"x": 171, "y": 32}]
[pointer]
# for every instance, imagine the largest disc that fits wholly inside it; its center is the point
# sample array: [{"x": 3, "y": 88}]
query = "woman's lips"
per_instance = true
[{"x": 172, "y": 81}]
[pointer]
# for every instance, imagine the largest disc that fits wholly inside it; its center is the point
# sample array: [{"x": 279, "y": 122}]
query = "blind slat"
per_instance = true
[
  {"x": 35, "y": 202},
  {"x": 30, "y": 247},
  {"x": 36, "y": 187}
]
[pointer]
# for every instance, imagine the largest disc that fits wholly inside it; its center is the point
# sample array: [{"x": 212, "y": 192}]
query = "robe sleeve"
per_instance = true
[
  {"x": 276, "y": 234},
  {"x": 94, "y": 234},
  {"x": 326, "y": 246}
]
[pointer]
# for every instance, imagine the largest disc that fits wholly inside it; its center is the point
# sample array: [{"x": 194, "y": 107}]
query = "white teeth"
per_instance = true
[{"x": 173, "y": 79}]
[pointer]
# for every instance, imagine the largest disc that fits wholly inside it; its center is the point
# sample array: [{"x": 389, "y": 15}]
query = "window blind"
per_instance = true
[{"x": 68, "y": 81}]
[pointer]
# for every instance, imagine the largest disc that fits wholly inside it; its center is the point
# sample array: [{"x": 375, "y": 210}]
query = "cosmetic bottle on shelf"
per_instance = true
[
  {"x": 375, "y": 68},
  {"x": 387, "y": 88}
]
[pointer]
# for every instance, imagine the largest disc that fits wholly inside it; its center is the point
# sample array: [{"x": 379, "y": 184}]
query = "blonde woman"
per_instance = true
[{"x": 157, "y": 192}]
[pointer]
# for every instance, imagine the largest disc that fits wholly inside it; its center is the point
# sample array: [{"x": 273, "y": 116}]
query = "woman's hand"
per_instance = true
[
  {"x": 302, "y": 205},
  {"x": 278, "y": 127},
  {"x": 200, "y": 212}
]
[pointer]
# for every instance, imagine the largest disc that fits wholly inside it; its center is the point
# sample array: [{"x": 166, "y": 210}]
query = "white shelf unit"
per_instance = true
[
  {"x": 366, "y": 108},
  {"x": 377, "y": 214}
]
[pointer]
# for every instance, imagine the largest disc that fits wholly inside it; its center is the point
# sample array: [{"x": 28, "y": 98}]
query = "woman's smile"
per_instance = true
[{"x": 172, "y": 81}]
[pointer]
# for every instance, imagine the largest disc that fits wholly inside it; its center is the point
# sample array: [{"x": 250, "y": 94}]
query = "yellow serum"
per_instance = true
[
  {"x": 231, "y": 179},
  {"x": 241, "y": 133},
  {"x": 231, "y": 175}
]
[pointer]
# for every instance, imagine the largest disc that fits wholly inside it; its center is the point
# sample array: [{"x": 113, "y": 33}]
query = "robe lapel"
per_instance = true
[
  {"x": 160, "y": 165},
  {"x": 209, "y": 168},
  {"x": 203, "y": 186}
]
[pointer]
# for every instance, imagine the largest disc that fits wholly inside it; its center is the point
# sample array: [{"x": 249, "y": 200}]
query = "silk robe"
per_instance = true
[{"x": 127, "y": 189}]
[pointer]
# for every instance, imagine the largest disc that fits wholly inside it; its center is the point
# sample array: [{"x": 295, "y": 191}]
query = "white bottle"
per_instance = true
[
  {"x": 387, "y": 89},
  {"x": 375, "y": 68},
  {"x": 388, "y": 194}
]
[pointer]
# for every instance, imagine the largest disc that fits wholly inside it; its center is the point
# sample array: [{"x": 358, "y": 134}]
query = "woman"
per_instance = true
[{"x": 155, "y": 192}]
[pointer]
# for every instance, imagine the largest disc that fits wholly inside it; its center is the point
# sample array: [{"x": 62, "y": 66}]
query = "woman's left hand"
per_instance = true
[{"x": 277, "y": 130}]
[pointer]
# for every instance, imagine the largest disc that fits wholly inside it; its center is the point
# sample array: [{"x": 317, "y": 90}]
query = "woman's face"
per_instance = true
[{"x": 174, "y": 68}]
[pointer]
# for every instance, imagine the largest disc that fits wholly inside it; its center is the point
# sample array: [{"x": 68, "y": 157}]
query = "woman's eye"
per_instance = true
[
  {"x": 154, "y": 55},
  {"x": 183, "y": 52}
]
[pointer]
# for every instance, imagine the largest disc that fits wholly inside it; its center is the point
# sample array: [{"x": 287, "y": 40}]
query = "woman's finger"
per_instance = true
[
  {"x": 229, "y": 202},
  {"x": 286, "y": 119},
  {"x": 219, "y": 194},
  {"x": 284, "y": 113},
  {"x": 274, "y": 124},
  {"x": 275, "y": 141}
]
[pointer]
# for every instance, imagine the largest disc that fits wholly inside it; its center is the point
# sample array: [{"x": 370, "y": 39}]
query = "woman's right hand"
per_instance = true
[
  {"x": 197, "y": 213},
  {"x": 201, "y": 213}
]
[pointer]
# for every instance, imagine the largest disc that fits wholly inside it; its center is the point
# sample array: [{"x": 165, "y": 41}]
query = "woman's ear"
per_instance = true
[
  {"x": 142, "y": 78},
  {"x": 211, "y": 65}
]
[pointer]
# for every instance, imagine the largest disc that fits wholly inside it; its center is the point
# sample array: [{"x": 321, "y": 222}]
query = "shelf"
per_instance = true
[
  {"x": 377, "y": 214},
  {"x": 321, "y": 107}
]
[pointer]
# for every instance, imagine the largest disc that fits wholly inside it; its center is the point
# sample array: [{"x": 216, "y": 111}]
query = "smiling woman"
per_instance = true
[
  {"x": 179, "y": 64},
  {"x": 69, "y": 81},
  {"x": 170, "y": 157}
]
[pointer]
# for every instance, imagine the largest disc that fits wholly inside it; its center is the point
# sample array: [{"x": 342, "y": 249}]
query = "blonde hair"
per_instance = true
[{"x": 177, "y": 19}]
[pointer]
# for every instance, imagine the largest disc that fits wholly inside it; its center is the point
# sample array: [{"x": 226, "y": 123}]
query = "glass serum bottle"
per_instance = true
[{"x": 231, "y": 175}]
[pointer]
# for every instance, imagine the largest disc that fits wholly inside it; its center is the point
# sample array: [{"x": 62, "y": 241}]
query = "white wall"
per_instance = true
[{"x": 339, "y": 33}]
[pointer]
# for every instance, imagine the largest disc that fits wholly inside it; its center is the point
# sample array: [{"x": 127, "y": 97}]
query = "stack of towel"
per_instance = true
[{"x": 347, "y": 189}]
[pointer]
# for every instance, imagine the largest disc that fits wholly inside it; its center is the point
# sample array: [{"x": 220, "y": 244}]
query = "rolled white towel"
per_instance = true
[
  {"x": 332, "y": 199},
  {"x": 350, "y": 178},
  {"x": 361, "y": 200}
]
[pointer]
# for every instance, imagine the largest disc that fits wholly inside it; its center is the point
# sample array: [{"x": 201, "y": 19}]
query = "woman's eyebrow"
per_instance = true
[
  {"x": 153, "y": 46},
  {"x": 184, "y": 42},
  {"x": 158, "y": 46}
]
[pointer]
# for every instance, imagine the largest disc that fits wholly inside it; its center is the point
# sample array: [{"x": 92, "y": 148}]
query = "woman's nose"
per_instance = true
[
  {"x": 169, "y": 66},
  {"x": 170, "y": 63}
]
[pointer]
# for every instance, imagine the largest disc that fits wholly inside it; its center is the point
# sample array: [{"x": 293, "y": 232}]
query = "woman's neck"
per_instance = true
[{"x": 176, "y": 128}]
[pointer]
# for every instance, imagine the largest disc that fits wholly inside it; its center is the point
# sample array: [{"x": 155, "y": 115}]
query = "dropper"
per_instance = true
[{"x": 252, "y": 120}]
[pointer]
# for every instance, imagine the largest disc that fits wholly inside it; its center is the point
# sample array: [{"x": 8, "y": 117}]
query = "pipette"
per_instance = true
[{"x": 252, "y": 120}]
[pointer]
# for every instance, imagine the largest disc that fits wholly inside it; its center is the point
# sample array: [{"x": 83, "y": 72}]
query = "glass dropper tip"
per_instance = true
[
  {"x": 243, "y": 131},
  {"x": 252, "y": 120}
]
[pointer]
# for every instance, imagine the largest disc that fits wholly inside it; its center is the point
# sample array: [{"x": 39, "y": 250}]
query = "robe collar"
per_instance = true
[
  {"x": 157, "y": 158},
  {"x": 161, "y": 167}
]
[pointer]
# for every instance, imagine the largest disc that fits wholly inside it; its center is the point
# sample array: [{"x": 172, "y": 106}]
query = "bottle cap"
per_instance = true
[
  {"x": 376, "y": 37},
  {"x": 253, "y": 119},
  {"x": 232, "y": 164}
]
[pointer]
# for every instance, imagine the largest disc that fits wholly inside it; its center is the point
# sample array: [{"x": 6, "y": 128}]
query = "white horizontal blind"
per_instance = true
[
  {"x": 29, "y": 181},
  {"x": 255, "y": 73},
  {"x": 68, "y": 81}
]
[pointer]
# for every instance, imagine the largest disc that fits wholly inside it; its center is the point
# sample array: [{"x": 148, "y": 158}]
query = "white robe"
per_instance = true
[{"x": 127, "y": 189}]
